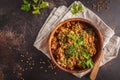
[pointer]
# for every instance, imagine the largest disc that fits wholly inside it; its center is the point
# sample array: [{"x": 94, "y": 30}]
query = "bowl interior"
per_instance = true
[{"x": 98, "y": 42}]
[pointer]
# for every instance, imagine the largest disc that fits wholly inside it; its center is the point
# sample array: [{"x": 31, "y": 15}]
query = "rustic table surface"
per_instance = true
[{"x": 19, "y": 60}]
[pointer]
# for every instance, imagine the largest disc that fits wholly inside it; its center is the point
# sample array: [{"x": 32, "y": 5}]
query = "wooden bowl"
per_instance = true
[{"x": 98, "y": 44}]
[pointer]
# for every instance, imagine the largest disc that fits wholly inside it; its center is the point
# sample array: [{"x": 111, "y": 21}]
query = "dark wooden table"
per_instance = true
[{"x": 19, "y": 60}]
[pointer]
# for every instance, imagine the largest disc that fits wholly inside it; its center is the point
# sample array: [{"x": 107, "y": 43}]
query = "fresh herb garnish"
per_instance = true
[
  {"x": 26, "y": 6},
  {"x": 87, "y": 63},
  {"x": 83, "y": 63},
  {"x": 72, "y": 36},
  {"x": 76, "y": 8},
  {"x": 35, "y": 1},
  {"x": 36, "y": 9},
  {"x": 85, "y": 55},
  {"x": 80, "y": 42},
  {"x": 44, "y": 4},
  {"x": 71, "y": 51},
  {"x": 34, "y": 5}
]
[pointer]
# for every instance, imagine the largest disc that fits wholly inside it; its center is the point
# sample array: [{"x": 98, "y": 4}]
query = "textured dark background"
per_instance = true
[{"x": 19, "y": 60}]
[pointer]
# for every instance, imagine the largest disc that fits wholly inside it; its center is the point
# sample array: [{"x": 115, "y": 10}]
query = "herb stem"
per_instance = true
[{"x": 40, "y": 1}]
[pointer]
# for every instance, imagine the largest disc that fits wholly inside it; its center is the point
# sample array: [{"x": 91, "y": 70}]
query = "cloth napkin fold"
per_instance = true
[{"x": 111, "y": 42}]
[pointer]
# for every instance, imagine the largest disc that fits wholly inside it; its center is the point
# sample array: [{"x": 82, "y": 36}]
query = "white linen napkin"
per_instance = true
[{"x": 111, "y": 42}]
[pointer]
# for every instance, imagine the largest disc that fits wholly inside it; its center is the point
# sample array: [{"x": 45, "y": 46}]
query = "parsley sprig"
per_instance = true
[
  {"x": 35, "y": 5},
  {"x": 76, "y": 8},
  {"x": 87, "y": 62},
  {"x": 73, "y": 50},
  {"x": 26, "y": 6}
]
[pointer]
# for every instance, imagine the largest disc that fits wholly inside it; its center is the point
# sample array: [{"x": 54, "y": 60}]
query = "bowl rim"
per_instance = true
[{"x": 68, "y": 20}]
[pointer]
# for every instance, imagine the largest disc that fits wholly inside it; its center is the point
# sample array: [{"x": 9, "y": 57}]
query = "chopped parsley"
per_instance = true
[
  {"x": 35, "y": 5},
  {"x": 26, "y": 6},
  {"x": 71, "y": 51},
  {"x": 87, "y": 63},
  {"x": 72, "y": 36},
  {"x": 76, "y": 8},
  {"x": 74, "y": 50}
]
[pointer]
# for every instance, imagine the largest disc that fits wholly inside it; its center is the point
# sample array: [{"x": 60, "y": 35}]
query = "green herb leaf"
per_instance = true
[
  {"x": 44, "y": 4},
  {"x": 76, "y": 8},
  {"x": 86, "y": 55},
  {"x": 36, "y": 11},
  {"x": 71, "y": 51},
  {"x": 26, "y": 7},
  {"x": 80, "y": 42},
  {"x": 25, "y": 2},
  {"x": 35, "y": 7},
  {"x": 35, "y": 1},
  {"x": 89, "y": 63},
  {"x": 72, "y": 36},
  {"x": 75, "y": 44},
  {"x": 83, "y": 63}
]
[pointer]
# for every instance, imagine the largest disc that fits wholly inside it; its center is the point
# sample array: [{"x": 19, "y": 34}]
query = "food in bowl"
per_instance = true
[{"x": 73, "y": 45}]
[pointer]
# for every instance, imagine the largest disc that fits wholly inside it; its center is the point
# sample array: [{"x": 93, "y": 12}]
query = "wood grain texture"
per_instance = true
[{"x": 95, "y": 69}]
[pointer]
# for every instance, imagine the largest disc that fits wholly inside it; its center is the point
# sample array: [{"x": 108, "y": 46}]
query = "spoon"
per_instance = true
[{"x": 95, "y": 69}]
